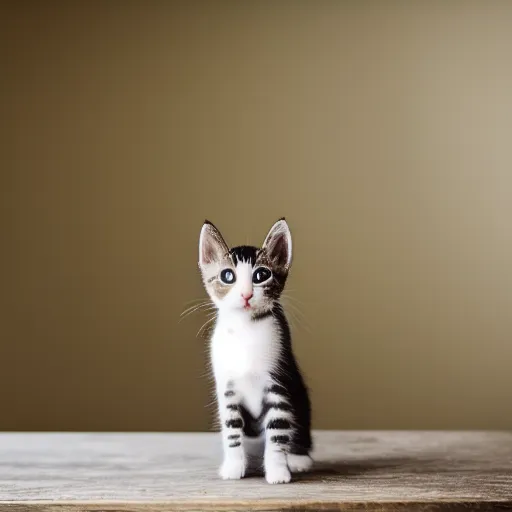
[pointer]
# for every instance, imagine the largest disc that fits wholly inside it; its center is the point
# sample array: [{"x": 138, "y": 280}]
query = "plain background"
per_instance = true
[{"x": 381, "y": 130}]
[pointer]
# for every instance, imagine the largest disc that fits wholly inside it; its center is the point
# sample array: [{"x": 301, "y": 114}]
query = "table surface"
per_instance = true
[{"x": 157, "y": 472}]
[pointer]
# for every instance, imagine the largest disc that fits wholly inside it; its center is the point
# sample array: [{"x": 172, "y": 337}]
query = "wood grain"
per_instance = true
[{"x": 162, "y": 472}]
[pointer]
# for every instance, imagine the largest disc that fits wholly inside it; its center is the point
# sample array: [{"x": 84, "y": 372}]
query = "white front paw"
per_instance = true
[
  {"x": 232, "y": 469},
  {"x": 277, "y": 474},
  {"x": 299, "y": 463}
]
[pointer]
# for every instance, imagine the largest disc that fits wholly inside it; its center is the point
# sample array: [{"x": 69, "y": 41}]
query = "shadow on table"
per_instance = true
[
  {"x": 350, "y": 468},
  {"x": 357, "y": 467}
]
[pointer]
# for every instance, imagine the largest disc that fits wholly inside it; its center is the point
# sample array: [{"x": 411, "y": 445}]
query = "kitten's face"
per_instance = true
[{"x": 244, "y": 278}]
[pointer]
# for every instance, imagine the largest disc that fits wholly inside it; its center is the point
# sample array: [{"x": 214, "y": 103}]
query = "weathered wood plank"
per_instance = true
[{"x": 161, "y": 472}]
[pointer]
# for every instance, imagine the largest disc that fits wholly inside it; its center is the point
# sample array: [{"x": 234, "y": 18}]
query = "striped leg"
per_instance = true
[
  {"x": 234, "y": 463},
  {"x": 278, "y": 435}
]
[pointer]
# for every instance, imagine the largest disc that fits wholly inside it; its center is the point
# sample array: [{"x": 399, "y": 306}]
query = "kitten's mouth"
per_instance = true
[{"x": 247, "y": 306}]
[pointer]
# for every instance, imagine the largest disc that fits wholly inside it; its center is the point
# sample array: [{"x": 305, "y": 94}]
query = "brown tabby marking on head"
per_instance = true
[
  {"x": 211, "y": 277},
  {"x": 275, "y": 287}
]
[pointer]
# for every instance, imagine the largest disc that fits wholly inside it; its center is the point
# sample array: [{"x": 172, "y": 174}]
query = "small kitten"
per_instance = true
[{"x": 263, "y": 401}]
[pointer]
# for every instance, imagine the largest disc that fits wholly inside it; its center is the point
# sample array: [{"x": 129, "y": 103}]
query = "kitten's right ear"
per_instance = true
[
  {"x": 278, "y": 244},
  {"x": 211, "y": 245}
]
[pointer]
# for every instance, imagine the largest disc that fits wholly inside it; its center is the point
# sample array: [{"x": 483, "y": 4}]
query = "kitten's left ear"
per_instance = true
[
  {"x": 212, "y": 246},
  {"x": 278, "y": 244}
]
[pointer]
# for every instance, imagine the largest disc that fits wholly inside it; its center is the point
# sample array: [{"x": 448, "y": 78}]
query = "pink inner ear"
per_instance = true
[
  {"x": 213, "y": 246},
  {"x": 208, "y": 252},
  {"x": 279, "y": 250}
]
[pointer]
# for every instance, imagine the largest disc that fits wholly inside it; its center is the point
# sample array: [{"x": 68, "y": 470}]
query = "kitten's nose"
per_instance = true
[{"x": 247, "y": 296}]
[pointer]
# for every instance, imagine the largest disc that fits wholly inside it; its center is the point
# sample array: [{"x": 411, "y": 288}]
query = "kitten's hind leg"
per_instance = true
[
  {"x": 234, "y": 465},
  {"x": 276, "y": 466},
  {"x": 299, "y": 463}
]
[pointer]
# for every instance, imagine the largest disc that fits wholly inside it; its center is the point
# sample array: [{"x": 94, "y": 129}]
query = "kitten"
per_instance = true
[{"x": 261, "y": 394}]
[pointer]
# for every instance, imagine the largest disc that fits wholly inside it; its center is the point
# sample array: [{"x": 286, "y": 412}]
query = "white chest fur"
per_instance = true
[{"x": 244, "y": 352}]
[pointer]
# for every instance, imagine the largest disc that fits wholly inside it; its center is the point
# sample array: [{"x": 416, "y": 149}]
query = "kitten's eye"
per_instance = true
[
  {"x": 260, "y": 275},
  {"x": 227, "y": 276}
]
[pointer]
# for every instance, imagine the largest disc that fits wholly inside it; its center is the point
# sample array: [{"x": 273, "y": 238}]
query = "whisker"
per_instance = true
[
  {"x": 188, "y": 314},
  {"x": 292, "y": 319},
  {"x": 291, "y": 306},
  {"x": 208, "y": 311},
  {"x": 202, "y": 299},
  {"x": 205, "y": 324},
  {"x": 211, "y": 404},
  {"x": 201, "y": 304},
  {"x": 295, "y": 312},
  {"x": 289, "y": 303},
  {"x": 292, "y": 298},
  {"x": 204, "y": 306}
]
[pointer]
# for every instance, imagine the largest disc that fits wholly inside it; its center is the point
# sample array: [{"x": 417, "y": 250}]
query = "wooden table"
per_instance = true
[{"x": 163, "y": 472}]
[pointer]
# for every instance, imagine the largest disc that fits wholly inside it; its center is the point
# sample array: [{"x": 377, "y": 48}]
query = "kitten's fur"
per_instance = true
[{"x": 263, "y": 401}]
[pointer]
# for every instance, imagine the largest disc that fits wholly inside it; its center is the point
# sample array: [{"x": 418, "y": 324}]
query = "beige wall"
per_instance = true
[{"x": 381, "y": 130}]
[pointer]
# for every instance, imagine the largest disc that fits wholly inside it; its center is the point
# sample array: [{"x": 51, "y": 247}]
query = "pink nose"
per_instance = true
[{"x": 248, "y": 297}]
